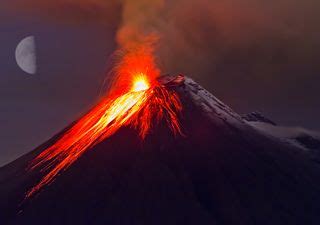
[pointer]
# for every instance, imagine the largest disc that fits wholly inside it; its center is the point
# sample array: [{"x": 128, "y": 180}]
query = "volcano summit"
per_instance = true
[{"x": 210, "y": 166}]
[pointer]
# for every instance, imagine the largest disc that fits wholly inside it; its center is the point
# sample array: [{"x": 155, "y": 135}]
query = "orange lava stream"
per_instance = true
[{"x": 143, "y": 105}]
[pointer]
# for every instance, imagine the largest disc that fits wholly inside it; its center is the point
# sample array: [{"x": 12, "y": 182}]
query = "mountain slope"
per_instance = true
[
  {"x": 303, "y": 138},
  {"x": 223, "y": 171}
]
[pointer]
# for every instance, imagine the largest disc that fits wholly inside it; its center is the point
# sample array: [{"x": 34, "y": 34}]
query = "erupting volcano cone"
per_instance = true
[{"x": 217, "y": 170}]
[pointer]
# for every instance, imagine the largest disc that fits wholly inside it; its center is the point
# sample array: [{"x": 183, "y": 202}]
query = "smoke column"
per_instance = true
[{"x": 137, "y": 39}]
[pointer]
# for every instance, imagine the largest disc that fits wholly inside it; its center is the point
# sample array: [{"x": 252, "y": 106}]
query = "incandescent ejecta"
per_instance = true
[{"x": 147, "y": 101}]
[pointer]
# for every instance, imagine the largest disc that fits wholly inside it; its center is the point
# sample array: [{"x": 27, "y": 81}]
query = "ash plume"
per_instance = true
[
  {"x": 256, "y": 38},
  {"x": 263, "y": 45},
  {"x": 137, "y": 37}
]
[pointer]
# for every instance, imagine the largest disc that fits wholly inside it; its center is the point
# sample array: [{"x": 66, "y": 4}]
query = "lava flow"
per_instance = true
[{"x": 145, "y": 103}]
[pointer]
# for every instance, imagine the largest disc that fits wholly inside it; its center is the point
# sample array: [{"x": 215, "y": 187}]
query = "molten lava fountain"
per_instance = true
[{"x": 143, "y": 104}]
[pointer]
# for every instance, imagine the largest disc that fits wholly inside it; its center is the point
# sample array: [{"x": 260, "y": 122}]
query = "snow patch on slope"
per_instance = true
[
  {"x": 295, "y": 135},
  {"x": 215, "y": 109}
]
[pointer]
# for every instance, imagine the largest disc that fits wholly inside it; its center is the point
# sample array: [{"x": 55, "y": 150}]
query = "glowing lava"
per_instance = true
[
  {"x": 140, "y": 83},
  {"x": 143, "y": 105}
]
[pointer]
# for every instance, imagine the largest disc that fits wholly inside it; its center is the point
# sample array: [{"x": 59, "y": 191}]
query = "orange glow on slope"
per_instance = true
[{"x": 140, "y": 107}]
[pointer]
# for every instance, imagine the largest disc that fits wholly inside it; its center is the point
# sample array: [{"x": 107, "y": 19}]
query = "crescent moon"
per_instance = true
[{"x": 26, "y": 55}]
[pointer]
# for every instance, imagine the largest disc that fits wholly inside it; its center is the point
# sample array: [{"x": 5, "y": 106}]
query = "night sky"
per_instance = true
[{"x": 253, "y": 55}]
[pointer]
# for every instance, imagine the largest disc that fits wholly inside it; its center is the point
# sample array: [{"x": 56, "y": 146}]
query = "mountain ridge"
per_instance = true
[{"x": 223, "y": 171}]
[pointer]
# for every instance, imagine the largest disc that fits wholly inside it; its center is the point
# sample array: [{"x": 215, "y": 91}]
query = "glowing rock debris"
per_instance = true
[{"x": 145, "y": 104}]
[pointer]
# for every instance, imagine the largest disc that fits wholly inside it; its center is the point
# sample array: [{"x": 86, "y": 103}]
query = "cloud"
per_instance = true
[{"x": 250, "y": 35}]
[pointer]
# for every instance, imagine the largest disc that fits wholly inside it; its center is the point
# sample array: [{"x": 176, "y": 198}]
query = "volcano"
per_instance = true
[{"x": 218, "y": 170}]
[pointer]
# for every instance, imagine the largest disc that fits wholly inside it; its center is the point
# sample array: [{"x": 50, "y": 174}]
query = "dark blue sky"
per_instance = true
[{"x": 72, "y": 61}]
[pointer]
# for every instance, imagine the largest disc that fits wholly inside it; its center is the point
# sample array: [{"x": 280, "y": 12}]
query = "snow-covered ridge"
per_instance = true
[
  {"x": 257, "y": 117},
  {"x": 297, "y": 136},
  {"x": 215, "y": 109},
  {"x": 222, "y": 114}
]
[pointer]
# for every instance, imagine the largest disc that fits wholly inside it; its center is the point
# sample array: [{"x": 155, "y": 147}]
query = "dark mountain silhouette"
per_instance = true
[
  {"x": 223, "y": 171},
  {"x": 257, "y": 117}
]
